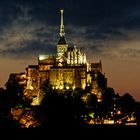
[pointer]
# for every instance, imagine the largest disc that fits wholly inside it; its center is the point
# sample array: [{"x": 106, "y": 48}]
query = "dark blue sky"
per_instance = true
[
  {"x": 106, "y": 29},
  {"x": 94, "y": 21}
]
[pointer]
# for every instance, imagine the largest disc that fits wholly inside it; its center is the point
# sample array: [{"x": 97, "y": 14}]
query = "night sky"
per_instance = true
[{"x": 107, "y": 29}]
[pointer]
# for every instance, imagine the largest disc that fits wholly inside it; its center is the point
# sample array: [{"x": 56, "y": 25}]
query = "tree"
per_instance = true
[
  {"x": 92, "y": 102},
  {"x": 14, "y": 91},
  {"x": 108, "y": 101},
  {"x": 127, "y": 103},
  {"x": 3, "y": 102},
  {"x": 61, "y": 110}
]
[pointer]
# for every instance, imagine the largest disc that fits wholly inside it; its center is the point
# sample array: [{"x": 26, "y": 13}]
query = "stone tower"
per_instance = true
[{"x": 62, "y": 45}]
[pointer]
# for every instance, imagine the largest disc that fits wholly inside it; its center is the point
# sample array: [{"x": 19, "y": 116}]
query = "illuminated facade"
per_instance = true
[{"x": 67, "y": 70}]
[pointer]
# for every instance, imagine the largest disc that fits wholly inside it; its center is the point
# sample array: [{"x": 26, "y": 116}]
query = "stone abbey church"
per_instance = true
[{"x": 67, "y": 70}]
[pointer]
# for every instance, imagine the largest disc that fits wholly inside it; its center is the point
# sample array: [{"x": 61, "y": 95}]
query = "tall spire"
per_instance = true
[{"x": 62, "y": 32}]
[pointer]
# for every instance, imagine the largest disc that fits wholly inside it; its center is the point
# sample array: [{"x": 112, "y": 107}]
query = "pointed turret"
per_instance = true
[
  {"x": 62, "y": 31},
  {"x": 62, "y": 44}
]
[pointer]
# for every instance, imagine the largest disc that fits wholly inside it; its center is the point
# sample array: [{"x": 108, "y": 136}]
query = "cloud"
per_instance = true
[
  {"x": 27, "y": 35},
  {"x": 36, "y": 37},
  {"x": 107, "y": 43}
]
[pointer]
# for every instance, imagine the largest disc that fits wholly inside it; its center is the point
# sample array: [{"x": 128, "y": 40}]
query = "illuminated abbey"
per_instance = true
[{"x": 67, "y": 70}]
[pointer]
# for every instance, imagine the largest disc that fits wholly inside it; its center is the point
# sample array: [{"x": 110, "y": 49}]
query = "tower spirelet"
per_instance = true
[{"x": 62, "y": 32}]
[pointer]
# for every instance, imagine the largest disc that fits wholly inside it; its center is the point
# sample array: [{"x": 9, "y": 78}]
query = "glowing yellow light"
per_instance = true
[
  {"x": 61, "y": 87},
  {"x": 31, "y": 87},
  {"x": 43, "y": 57},
  {"x": 107, "y": 121},
  {"x": 56, "y": 87},
  {"x": 119, "y": 121},
  {"x": 118, "y": 112},
  {"x": 67, "y": 87},
  {"x": 83, "y": 86},
  {"x": 73, "y": 87},
  {"x": 91, "y": 122},
  {"x": 133, "y": 118},
  {"x": 131, "y": 123},
  {"x": 111, "y": 121},
  {"x": 99, "y": 100}
]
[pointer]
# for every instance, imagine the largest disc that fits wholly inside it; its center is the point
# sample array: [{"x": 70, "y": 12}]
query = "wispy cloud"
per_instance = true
[
  {"x": 27, "y": 36},
  {"x": 108, "y": 43}
]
